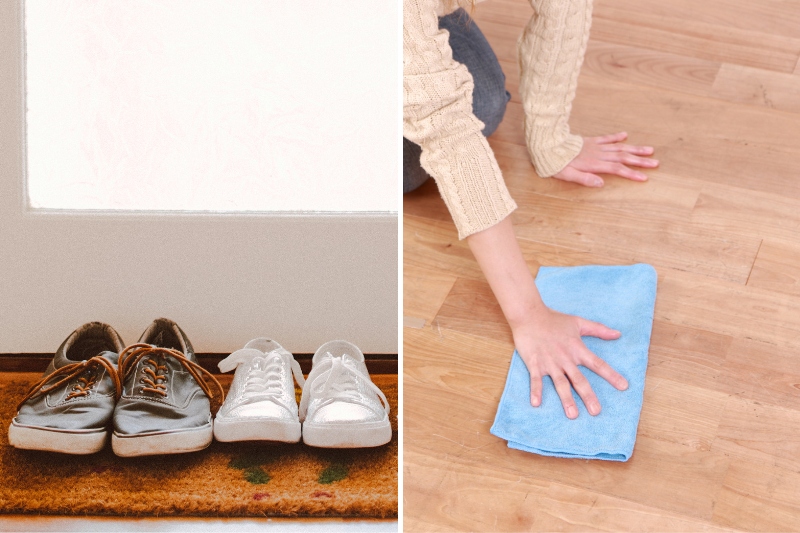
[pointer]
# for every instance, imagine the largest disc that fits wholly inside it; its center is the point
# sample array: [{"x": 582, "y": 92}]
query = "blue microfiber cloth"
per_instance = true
[{"x": 622, "y": 298}]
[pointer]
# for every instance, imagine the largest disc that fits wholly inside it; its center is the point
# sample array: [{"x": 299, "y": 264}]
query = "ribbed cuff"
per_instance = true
[
  {"x": 465, "y": 231},
  {"x": 552, "y": 160}
]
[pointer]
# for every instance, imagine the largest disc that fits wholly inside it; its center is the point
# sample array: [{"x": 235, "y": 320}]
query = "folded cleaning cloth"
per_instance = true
[{"x": 621, "y": 297}]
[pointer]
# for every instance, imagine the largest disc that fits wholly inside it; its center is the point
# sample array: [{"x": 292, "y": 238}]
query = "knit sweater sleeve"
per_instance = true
[
  {"x": 437, "y": 115},
  {"x": 551, "y": 50}
]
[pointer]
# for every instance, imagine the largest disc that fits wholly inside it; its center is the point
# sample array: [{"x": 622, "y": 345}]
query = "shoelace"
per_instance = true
[
  {"x": 341, "y": 384},
  {"x": 84, "y": 385},
  {"x": 71, "y": 371},
  {"x": 263, "y": 383},
  {"x": 131, "y": 356},
  {"x": 156, "y": 381}
]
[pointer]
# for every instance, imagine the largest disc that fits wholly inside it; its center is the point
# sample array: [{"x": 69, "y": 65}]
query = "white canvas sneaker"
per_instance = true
[
  {"x": 261, "y": 403},
  {"x": 341, "y": 407}
]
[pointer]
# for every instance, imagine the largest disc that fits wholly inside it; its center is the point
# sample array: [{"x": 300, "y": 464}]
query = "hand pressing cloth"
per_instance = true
[{"x": 622, "y": 298}]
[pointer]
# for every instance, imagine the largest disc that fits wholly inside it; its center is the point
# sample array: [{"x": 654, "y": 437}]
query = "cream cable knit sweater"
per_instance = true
[{"x": 437, "y": 105}]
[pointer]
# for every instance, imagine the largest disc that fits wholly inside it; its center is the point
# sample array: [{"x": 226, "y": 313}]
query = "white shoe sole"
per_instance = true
[
  {"x": 347, "y": 435},
  {"x": 75, "y": 442},
  {"x": 238, "y": 429},
  {"x": 162, "y": 442}
]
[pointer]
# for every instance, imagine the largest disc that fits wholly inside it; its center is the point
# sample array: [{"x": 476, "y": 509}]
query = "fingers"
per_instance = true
[
  {"x": 630, "y": 159},
  {"x": 578, "y": 176},
  {"x": 596, "y": 329},
  {"x": 564, "y": 390},
  {"x": 629, "y": 148},
  {"x": 536, "y": 390},
  {"x": 594, "y": 363},
  {"x": 584, "y": 390},
  {"x": 603, "y": 369},
  {"x": 618, "y": 169},
  {"x": 613, "y": 138},
  {"x": 613, "y": 143}
]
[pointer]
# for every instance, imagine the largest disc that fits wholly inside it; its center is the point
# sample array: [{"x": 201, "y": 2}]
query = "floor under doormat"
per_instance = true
[{"x": 227, "y": 479}]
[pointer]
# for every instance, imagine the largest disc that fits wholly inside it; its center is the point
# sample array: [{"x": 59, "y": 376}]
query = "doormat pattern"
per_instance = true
[{"x": 227, "y": 479}]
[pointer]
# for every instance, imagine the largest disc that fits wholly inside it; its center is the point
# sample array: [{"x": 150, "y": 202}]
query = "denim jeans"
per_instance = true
[{"x": 489, "y": 96}]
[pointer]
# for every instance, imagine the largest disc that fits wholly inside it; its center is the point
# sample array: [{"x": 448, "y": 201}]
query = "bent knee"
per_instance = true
[{"x": 490, "y": 105}]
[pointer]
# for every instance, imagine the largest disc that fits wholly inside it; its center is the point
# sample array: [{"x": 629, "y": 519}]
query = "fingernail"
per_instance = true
[
  {"x": 597, "y": 183},
  {"x": 572, "y": 411},
  {"x": 624, "y": 384},
  {"x": 654, "y": 162},
  {"x": 594, "y": 408},
  {"x": 535, "y": 402},
  {"x": 643, "y": 177}
]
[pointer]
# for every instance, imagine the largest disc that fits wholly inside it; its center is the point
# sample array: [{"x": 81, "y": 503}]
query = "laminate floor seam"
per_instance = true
[{"x": 754, "y": 262}]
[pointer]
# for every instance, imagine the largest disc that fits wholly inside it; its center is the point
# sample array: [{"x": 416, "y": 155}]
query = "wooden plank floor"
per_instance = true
[{"x": 715, "y": 87}]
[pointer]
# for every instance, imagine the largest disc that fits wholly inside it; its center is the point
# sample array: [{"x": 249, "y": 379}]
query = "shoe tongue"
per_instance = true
[
  {"x": 112, "y": 357},
  {"x": 247, "y": 355},
  {"x": 159, "y": 340},
  {"x": 337, "y": 349},
  {"x": 165, "y": 333},
  {"x": 266, "y": 346}
]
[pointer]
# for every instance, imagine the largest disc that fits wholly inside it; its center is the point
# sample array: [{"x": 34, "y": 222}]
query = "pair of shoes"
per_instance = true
[
  {"x": 153, "y": 393},
  {"x": 340, "y": 406}
]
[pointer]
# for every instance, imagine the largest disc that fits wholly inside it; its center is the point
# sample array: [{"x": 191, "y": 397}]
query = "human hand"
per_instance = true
[
  {"x": 549, "y": 342},
  {"x": 607, "y": 155},
  {"x": 551, "y": 345}
]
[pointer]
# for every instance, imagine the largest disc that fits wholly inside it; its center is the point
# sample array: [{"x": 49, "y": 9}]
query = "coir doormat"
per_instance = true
[{"x": 226, "y": 479}]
